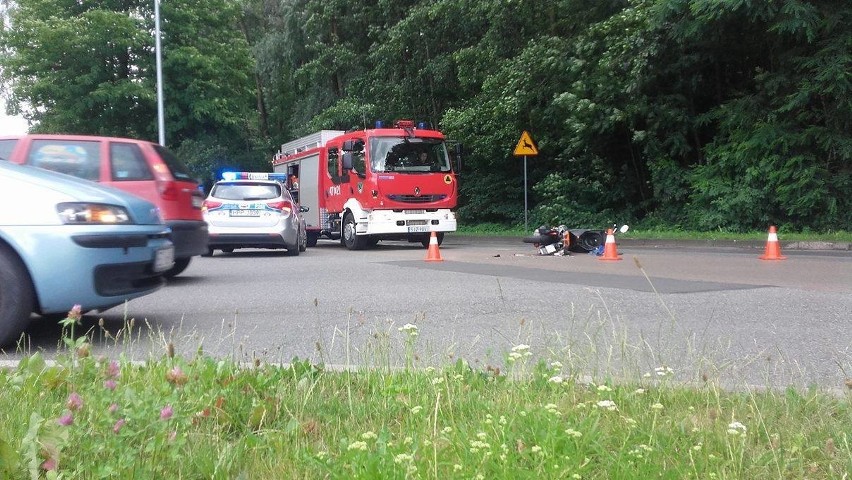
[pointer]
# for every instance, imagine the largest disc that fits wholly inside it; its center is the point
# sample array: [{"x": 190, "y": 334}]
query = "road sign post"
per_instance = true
[{"x": 525, "y": 147}]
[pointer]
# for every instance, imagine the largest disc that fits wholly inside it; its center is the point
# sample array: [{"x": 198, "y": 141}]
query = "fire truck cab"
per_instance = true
[{"x": 375, "y": 184}]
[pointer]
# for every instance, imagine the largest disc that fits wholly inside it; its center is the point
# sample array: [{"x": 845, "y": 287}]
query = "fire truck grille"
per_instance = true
[{"x": 416, "y": 199}]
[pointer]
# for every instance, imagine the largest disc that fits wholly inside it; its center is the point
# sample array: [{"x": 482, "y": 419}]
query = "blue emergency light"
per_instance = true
[
  {"x": 279, "y": 177},
  {"x": 380, "y": 124}
]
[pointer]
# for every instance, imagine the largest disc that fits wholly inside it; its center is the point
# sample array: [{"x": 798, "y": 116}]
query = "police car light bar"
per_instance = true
[{"x": 280, "y": 177}]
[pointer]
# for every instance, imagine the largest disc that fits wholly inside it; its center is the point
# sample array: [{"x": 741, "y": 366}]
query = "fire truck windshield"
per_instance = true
[{"x": 408, "y": 155}]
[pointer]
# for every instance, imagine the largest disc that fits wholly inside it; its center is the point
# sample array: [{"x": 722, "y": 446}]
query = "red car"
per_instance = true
[{"x": 139, "y": 167}]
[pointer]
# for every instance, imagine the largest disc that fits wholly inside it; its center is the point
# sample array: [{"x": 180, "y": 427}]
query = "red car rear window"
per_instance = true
[{"x": 178, "y": 169}]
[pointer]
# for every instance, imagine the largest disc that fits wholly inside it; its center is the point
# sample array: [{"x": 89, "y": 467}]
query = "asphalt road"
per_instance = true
[{"x": 707, "y": 312}]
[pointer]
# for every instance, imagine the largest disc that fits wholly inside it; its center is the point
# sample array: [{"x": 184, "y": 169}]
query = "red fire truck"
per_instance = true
[{"x": 385, "y": 183}]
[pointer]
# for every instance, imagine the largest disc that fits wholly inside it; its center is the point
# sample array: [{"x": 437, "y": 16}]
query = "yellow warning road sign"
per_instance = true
[{"x": 526, "y": 146}]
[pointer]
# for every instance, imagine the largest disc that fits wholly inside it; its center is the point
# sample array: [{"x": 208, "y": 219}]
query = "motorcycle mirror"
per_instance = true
[{"x": 624, "y": 229}]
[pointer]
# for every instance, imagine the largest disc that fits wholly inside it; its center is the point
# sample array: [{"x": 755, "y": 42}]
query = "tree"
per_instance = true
[
  {"x": 783, "y": 148},
  {"x": 50, "y": 46},
  {"x": 88, "y": 67}
]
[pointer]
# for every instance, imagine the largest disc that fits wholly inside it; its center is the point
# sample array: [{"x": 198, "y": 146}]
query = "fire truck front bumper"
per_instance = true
[{"x": 406, "y": 222}]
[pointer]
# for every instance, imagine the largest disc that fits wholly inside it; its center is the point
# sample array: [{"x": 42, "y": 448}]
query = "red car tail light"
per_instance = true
[{"x": 168, "y": 190}]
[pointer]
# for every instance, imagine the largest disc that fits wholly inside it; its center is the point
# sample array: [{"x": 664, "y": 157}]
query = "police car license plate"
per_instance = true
[
  {"x": 164, "y": 259},
  {"x": 245, "y": 213},
  {"x": 418, "y": 229}
]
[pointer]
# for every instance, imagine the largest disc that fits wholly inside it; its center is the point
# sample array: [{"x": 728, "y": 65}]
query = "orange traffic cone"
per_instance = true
[
  {"x": 433, "y": 255},
  {"x": 773, "y": 248},
  {"x": 610, "y": 250}
]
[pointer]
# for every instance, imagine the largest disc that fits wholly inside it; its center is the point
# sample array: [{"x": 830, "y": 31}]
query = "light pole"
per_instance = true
[{"x": 160, "y": 120}]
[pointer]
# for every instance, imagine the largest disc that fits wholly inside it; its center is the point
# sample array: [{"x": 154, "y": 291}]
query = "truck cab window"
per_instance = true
[
  {"x": 399, "y": 155},
  {"x": 334, "y": 167},
  {"x": 359, "y": 165}
]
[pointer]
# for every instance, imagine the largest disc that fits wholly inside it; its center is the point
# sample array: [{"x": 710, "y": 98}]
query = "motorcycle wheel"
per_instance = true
[{"x": 541, "y": 239}]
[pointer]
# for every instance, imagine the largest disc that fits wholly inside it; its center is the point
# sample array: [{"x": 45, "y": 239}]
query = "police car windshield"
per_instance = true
[
  {"x": 246, "y": 191},
  {"x": 409, "y": 155}
]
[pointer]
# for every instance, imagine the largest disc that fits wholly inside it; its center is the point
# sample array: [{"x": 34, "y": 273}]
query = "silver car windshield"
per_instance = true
[
  {"x": 246, "y": 191},
  {"x": 408, "y": 155}
]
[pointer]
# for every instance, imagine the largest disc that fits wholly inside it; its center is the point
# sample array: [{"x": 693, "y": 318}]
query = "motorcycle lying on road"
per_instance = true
[{"x": 561, "y": 240}]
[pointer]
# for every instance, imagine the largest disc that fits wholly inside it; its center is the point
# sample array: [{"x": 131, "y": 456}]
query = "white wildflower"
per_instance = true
[
  {"x": 410, "y": 329},
  {"x": 736, "y": 428},
  {"x": 358, "y": 445}
]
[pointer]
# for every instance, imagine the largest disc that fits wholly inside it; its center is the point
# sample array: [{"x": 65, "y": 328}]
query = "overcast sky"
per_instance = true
[{"x": 10, "y": 125}]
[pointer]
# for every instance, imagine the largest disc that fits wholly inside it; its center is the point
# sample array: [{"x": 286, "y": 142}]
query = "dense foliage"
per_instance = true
[{"x": 701, "y": 114}]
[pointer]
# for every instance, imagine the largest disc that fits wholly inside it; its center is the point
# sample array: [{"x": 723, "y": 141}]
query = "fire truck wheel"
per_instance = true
[
  {"x": 312, "y": 239},
  {"x": 350, "y": 237},
  {"x": 440, "y": 236}
]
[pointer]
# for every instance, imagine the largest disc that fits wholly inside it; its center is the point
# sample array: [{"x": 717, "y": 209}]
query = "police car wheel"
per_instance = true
[{"x": 303, "y": 241}]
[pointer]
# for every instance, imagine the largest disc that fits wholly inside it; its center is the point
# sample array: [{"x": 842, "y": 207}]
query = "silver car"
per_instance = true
[{"x": 254, "y": 213}]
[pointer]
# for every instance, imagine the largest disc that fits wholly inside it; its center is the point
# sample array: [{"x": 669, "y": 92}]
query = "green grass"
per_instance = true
[
  {"x": 640, "y": 233},
  {"x": 174, "y": 417}
]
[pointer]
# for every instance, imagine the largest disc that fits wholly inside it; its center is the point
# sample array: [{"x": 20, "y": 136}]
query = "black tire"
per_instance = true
[
  {"x": 179, "y": 266},
  {"x": 295, "y": 250},
  {"x": 349, "y": 237},
  {"x": 208, "y": 254},
  {"x": 440, "y": 236},
  {"x": 16, "y": 297},
  {"x": 541, "y": 239},
  {"x": 312, "y": 239},
  {"x": 303, "y": 240}
]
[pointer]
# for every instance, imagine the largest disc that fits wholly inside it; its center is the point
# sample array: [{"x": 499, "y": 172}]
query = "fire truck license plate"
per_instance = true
[
  {"x": 245, "y": 213},
  {"x": 418, "y": 229},
  {"x": 164, "y": 258}
]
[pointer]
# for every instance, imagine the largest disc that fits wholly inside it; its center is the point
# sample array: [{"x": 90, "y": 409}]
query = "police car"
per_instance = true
[{"x": 254, "y": 210}]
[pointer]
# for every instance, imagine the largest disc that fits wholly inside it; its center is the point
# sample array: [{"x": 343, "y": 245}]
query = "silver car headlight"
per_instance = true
[{"x": 92, "y": 213}]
